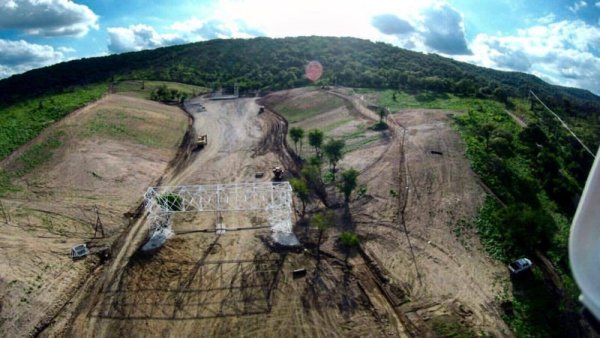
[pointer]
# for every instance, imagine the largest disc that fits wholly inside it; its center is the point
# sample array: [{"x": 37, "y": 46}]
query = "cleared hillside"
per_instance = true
[{"x": 101, "y": 157}]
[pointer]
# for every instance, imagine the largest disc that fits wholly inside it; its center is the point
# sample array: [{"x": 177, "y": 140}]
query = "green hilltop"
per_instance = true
[{"x": 265, "y": 63}]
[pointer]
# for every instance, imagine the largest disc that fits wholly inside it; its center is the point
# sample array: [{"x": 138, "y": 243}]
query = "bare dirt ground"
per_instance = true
[
  {"x": 443, "y": 271},
  {"x": 202, "y": 284},
  {"x": 420, "y": 266},
  {"x": 443, "y": 276},
  {"x": 54, "y": 206}
]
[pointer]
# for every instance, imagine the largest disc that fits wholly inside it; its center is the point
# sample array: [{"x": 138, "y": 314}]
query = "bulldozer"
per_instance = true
[
  {"x": 278, "y": 173},
  {"x": 201, "y": 141}
]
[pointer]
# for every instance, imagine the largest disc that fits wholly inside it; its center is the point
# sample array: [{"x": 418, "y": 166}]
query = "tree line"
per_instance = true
[
  {"x": 270, "y": 64},
  {"x": 313, "y": 183}
]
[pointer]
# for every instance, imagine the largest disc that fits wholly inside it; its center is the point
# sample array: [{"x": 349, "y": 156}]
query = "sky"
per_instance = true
[{"x": 558, "y": 41}]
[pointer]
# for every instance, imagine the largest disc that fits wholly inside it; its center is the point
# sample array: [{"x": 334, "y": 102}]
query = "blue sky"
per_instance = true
[{"x": 558, "y": 41}]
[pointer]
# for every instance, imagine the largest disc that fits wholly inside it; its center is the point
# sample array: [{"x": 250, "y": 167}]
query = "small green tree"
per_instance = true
[
  {"x": 333, "y": 151},
  {"x": 315, "y": 139},
  {"x": 349, "y": 240},
  {"x": 311, "y": 174},
  {"x": 297, "y": 134},
  {"x": 170, "y": 201},
  {"x": 382, "y": 114},
  {"x": 321, "y": 221},
  {"x": 301, "y": 190},
  {"x": 348, "y": 182},
  {"x": 316, "y": 161},
  {"x": 486, "y": 133}
]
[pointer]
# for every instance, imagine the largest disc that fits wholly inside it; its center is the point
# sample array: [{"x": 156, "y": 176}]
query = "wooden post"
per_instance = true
[{"x": 4, "y": 213}]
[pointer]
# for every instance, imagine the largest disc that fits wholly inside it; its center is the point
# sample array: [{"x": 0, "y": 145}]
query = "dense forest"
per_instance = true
[{"x": 270, "y": 64}]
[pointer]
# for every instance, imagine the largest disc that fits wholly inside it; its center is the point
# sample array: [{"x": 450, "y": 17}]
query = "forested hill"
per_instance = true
[{"x": 264, "y": 63}]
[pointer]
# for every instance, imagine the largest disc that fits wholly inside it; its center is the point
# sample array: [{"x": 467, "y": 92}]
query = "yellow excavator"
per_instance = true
[{"x": 201, "y": 141}]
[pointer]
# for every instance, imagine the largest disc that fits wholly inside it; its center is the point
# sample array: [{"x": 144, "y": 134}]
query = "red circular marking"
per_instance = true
[{"x": 313, "y": 70}]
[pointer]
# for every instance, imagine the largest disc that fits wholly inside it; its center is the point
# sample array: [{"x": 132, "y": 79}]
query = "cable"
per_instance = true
[{"x": 564, "y": 125}]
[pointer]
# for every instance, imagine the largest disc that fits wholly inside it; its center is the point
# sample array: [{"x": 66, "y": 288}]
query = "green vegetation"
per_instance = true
[
  {"x": 128, "y": 125},
  {"x": 449, "y": 327},
  {"x": 159, "y": 90},
  {"x": 321, "y": 221},
  {"x": 38, "y": 154},
  {"x": 302, "y": 108},
  {"x": 348, "y": 182},
  {"x": 349, "y": 241},
  {"x": 315, "y": 140},
  {"x": 537, "y": 172},
  {"x": 6, "y": 185},
  {"x": 333, "y": 151},
  {"x": 296, "y": 134},
  {"x": 300, "y": 188},
  {"x": 279, "y": 63},
  {"x": 23, "y": 121},
  {"x": 170, "y": 201}
]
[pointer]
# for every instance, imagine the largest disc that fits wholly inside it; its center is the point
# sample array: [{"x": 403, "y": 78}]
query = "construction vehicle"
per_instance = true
[
  {"x": 201, "y": 141},
  {"x": 278, "y": 173}
]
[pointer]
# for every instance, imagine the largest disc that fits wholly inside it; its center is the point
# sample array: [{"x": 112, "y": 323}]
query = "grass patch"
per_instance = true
[
  {"x": 336, "y": 124},
  {"x": 446, "y": 326},
  {"x": 23, "y": 121},
  {"x": 6, "y": 185},
  {"x": 144, "y": 89},
  {"x": 38, "y": 154},
  {"x": 362, "y": 142},
  {"x": 302, "y": 108},
  {"x": 128, "y": 124}
]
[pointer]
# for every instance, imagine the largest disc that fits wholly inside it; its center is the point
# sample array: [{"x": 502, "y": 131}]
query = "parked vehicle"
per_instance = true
[{"x": 519, "y": 266}]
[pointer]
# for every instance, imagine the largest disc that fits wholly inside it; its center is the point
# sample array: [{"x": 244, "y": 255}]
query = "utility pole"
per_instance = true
[{"x": 98, "y": 226}]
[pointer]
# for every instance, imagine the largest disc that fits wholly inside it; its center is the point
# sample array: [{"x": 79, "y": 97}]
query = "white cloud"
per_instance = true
[
  {"x": 547, "y": 19},
  {"x": 577, "y": 6},
  {"x": 138, "y": 37},
  {"x": 560, "y": 52},
  {"x": 311, "y": 17},
  {"x": 66, "y": 50},
  {"x": 597, "y": 4},
  {"x": 194, "y": 29},
  {"x": 20, "y": 56},
  {"x": 47, "y": 17},
  {"x": 429, "y": 25}
]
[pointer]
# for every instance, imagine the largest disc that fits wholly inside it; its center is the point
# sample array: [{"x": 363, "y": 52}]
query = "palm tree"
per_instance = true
[
  {"x": 297, "y": 134},
  {"x": 333, "y": 151},
  {"x": 315, "y": 139}
]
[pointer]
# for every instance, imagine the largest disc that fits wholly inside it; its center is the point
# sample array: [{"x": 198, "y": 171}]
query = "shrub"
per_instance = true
[{"x": 170, "y": 201}]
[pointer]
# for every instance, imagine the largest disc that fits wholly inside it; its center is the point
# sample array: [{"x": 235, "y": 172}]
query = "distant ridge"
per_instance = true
[{"x": 279, "y": 63}]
